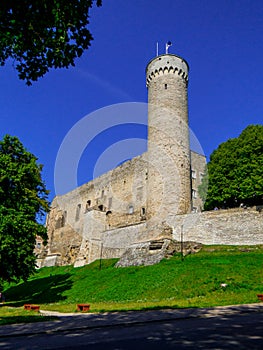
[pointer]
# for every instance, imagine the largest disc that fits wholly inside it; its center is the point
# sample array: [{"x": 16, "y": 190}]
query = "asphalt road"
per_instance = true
[{"x": 239, "y": 331}]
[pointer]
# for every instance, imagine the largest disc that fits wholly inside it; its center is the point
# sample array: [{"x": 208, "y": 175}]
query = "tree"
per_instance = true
[
  {"x": 23, "y": 202},
  {"x": 42, "y": 34},
  {"x": 235, "y": 171}
]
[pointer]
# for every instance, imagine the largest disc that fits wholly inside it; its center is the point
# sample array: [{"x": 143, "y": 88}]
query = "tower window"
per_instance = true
[
  {"x": 165, "y": 86},
  {"x": 143, "y": 211}
]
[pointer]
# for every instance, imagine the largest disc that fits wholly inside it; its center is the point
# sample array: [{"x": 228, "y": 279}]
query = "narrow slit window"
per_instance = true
[{"x": 78, "y": 212}]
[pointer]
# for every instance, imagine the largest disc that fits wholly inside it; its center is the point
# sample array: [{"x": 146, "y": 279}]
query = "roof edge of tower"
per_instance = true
[{"x": 167, "y": 55}]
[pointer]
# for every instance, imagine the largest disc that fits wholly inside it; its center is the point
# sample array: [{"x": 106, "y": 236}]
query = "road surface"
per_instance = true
[{"x": 237, "y": 331}]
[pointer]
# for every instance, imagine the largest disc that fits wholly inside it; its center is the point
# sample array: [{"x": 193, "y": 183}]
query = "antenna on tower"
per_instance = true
[
  {"x": 167, "y": 45},
  {"x": 157, "y": 48}
]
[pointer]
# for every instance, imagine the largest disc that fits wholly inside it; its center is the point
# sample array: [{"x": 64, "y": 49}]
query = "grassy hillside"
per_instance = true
[{"x": 194, "y": 282}]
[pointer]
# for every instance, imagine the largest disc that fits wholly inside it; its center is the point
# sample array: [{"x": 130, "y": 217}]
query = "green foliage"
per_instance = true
[
  {"x": 23, "y": 202},
  {"x": 42, "y": 34},
  {"x": 235, "y": 171},
  {"x": 202, "y": 189},
  {"x": 195, "y": 282}
]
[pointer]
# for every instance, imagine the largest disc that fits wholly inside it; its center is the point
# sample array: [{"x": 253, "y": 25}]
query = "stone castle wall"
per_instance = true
[
  {"x": 229, "y": 227},
  {"x": 77, "y": 219},
  {"x": 110, "y": 212}
]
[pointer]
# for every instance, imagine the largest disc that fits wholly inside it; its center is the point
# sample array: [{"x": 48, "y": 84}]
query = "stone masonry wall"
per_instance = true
[
  {"x": 229, "y": 227},
  {"x": 78, "y": 219}
]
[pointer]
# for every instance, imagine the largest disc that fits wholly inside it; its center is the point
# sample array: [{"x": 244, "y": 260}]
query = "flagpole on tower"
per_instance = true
[{"x": 167, "y": 45}]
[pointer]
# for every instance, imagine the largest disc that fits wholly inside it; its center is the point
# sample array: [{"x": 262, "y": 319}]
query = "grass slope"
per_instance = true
[{"x": 194, "y": 282}]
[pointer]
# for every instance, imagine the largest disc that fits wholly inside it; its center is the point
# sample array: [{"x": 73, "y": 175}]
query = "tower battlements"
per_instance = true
[{"x": 164, "y": 64}]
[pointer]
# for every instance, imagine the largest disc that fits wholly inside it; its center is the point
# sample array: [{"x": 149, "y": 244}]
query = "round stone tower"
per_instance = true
[{"x": 169, "y": 184}]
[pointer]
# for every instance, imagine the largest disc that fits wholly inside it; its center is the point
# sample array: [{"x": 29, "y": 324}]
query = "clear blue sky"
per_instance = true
[{"x": 221, "y": 41}]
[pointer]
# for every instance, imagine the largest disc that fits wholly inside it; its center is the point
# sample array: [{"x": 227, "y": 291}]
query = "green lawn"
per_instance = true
[
  {"x": 10, "y": 315},
  {"x": 194, "y": 282}
]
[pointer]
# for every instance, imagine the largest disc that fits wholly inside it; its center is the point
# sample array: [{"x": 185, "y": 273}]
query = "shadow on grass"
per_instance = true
[
  {"x": 25, "y": 319},
  {"x": 43, "y": 290}
]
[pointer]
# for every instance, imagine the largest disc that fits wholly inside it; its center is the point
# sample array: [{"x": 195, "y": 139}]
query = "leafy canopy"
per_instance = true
[
  {"x": 42, "y": 34},
  {"x": 23, "y": 202},
  {"x": 235, "y": 171}
]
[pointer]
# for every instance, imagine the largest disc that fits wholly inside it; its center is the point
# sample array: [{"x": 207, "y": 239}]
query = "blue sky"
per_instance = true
[{"x": 220, "y": 40}]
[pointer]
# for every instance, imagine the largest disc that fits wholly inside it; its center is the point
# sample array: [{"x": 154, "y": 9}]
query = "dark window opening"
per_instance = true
[
  {"x": 88, "y": 205},
  {"x": 156, "y": 246},
  {"x": 108, "y": 212},
  {"x": 143, "y": 211},
  {"x": 165, "y": 86},
  {"x": 100, "y": 207}
]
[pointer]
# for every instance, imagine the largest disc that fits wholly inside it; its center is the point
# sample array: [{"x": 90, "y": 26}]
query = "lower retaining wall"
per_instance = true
[{"x": 230, "y": 227}]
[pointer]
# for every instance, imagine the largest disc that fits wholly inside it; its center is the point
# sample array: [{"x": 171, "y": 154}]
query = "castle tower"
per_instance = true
[{"x": 169, "y": 185}]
